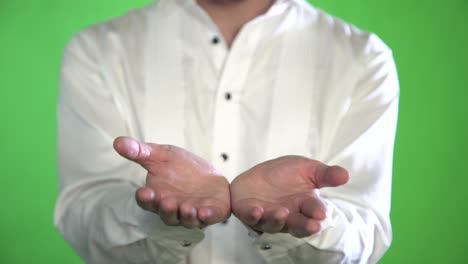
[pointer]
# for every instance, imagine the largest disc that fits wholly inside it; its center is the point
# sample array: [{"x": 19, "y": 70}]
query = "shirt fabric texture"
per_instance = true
[{"x": 296, "y": 81}]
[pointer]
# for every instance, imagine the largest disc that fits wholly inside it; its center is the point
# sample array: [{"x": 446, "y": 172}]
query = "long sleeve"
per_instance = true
[
  {"x": 96, "y": 211},
  {"x": 155, "y": 74},
  {"x": 357, "y": 227}
]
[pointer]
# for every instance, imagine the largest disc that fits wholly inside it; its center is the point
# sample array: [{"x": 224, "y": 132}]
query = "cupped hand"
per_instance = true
[
  {"x": 281, "y": 195},
  {"x": 182, "y": 188}
]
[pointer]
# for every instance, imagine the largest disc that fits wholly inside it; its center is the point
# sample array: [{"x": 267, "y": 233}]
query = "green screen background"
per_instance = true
[{"x": 429, "y": 40}]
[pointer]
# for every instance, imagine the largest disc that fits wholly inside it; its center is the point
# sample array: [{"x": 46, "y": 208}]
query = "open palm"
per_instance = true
[
  {"x": 281, "y": 195},
  {"x": 181, "y": 187}
]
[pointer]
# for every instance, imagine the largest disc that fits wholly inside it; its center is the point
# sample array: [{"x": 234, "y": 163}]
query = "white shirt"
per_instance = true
[{"x": 299, "y": 82}]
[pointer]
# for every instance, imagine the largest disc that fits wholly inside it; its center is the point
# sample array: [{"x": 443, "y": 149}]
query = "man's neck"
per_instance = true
[{"x": 230, "y": 15}]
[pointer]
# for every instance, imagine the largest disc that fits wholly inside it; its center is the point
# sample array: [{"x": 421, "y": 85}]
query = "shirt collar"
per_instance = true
[{"x": 191, "y": 6}]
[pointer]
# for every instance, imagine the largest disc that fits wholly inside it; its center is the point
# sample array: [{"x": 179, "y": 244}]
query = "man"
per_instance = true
[{"x": 243, "y": 106}]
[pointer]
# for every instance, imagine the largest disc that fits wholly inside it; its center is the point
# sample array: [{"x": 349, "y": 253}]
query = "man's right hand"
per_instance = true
[{"x": 182, "y": 188}]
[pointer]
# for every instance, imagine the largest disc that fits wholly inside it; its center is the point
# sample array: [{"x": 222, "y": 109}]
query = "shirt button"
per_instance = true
[
  {"x": 215, "y": 40},
  {"x": 228, "y": 96},
  {"x": 186, "y": 244},
  {"x": 224, "y": 156},
  {"x": 265, "y": 246}
]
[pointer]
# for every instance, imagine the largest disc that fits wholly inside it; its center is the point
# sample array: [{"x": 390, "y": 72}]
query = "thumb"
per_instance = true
[
  {"x": 132, "y": 149},
  {"x": 330, "y": 176}
]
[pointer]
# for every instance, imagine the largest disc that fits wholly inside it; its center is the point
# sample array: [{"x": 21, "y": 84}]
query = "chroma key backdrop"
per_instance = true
[{"x": 430, "y": 194}]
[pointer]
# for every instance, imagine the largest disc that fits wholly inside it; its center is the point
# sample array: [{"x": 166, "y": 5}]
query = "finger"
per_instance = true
[
  {"x": 300, "y": 226},
  {"x": 142, "y": 153},
  {"x": 275, "y": 220},
  {"x": 188, "y": 216},
  {"x": 313, "y": 208},
  {"x": 149, "y": 199},
  {"x": 209, "y": 215},
  {"x": 132, "y": 149},
  {"x": 249, "y": 214},
  {"x": 145, "y": 198},
  {"x": 168, "y": 211},
  {"x": 329, "y": 176}
]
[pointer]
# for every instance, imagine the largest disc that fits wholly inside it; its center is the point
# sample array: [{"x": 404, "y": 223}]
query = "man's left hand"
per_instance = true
[{"x": 281, "y": 195}]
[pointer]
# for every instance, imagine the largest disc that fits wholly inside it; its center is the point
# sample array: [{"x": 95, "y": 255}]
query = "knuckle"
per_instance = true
[
  {"x": 167, "y": 151},
  {"x": 169, "y": 148}
]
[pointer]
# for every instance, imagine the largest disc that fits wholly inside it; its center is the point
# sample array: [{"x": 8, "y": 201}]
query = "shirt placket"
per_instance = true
[
  {"x": 227, "y": 123},
  {"x": 226, "y": 127}
]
